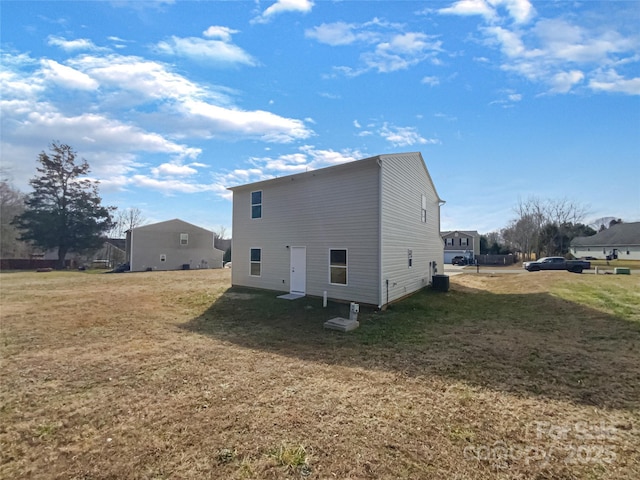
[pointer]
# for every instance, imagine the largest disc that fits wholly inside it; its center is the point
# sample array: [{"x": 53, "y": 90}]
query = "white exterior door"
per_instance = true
[{"x": 298, "y": 279}]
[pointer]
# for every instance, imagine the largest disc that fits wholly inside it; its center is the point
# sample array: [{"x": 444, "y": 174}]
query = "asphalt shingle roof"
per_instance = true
[{"x": 622, "y": 234}]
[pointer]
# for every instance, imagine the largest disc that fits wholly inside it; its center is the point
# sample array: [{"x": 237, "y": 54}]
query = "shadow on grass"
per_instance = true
[{"x": 523, "y": 344}]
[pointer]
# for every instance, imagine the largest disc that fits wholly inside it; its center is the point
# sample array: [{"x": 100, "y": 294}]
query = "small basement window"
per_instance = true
[
  {"x": 338, "y": 267},
  {"x": 256, "y": 262}
]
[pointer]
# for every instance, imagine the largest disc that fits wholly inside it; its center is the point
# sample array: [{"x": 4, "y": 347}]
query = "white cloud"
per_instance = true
[
  {"x": 611, "y": 81},
  {"x": 560, "y": 54},
  {"x": 257, "y": 124},
  {"x": 563, "y": 82},
  {"x": 338, "y": 33},
  {"x": 173, "y": 169},
  {"x": 445, "y": 116},
  {"x": 199, "y": 49},
  {"x": 306, "y": 158},
  {"x": 67, "y": 77},
  {"x": 223, "y": 33},
  {"x": 14, "y": 84},
  {"x": 148, "y": 79},
  {"x": 388, "y": 48},
  {"x": 520, "y": 11},
  {"x": 282, "y": 6},
  {"x": 169, "y": 186},
  {"x": 201, "y": 111},
  {"x": 72, "y": 45},
  {"x": 469, "y": 7},
  {"x": 404, "y": 136},
  {"x": 431, "y": 81},
  {"x": 510, "y": 42},
  {"x": 98, "y": 129}
]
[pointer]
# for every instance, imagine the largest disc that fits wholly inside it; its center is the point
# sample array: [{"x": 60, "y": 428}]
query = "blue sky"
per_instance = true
[{"x": 172, "y": 102}]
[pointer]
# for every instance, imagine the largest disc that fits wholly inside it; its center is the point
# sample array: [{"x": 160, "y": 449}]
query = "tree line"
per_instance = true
[{"x": 543, "y": 227}]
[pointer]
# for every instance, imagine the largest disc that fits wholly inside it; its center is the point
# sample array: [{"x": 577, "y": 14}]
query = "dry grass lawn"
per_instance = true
[{"x": 176, "y": 375}]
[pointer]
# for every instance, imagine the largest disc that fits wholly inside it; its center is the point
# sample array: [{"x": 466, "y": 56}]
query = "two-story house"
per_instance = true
[
  {"x": 465, "y": 243},
  {"x": 171, "y": 245},
  {"x": 366, "y": 231}
]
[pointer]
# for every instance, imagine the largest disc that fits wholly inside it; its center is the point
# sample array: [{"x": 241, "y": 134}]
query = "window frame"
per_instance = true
[
  {"x": 423, "y": 209},
  {"x": 184, "y": 239},
  {"x": 410, "y": 258},
  {"x": 256, "y": 205},
  {"x": 253, "y": 262},
  {"x": 345, "y": 267}
]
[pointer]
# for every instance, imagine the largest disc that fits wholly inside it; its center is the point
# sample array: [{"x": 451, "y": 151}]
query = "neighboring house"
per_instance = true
[
  {"x": 366, "y": 231},
  {"x": 461, "y": 242},
  {"x": 171, "y": 245},
  {"x": 620, "y": 241}
]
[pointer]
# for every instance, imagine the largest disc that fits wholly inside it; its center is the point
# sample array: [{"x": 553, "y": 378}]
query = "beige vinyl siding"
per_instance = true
[
  {"x": 150, "y": 243},
  {"x": 332, "y": 208},
  {"x": 404, "y": 181}
]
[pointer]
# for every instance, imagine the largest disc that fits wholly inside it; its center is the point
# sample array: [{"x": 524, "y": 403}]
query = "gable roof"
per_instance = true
[
  {"x": 621, "y": 234},
  {"x": 471, "y": 233},
  {"x": 175, "y": 223},
  {"x": 337, "y": 168}
]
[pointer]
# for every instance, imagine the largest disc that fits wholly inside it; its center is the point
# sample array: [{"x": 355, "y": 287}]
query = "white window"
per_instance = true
[
  {"x": 423, "y": 210},
  {"x": 410, "y": 258},
  {"x": 184, "y": 239},
  {"x": 256, "y": 204},
  {"x": 450, "y": 242},
  {"x": 163, "y": 258},
  {"x": 256, "y": 262},
  {"x": 464, "y": 241},
  {"x": 338, "y": 266}
]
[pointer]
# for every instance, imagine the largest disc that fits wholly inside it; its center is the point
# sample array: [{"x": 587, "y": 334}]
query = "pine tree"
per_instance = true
[{"x": 64, "y": 211}]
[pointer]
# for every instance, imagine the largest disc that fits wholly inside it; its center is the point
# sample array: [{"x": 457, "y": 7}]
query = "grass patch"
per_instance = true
[
  {"x": 178, "y": 375},
  {"x": 293, "y": 457},
  {"x": 606, "y": 293}
]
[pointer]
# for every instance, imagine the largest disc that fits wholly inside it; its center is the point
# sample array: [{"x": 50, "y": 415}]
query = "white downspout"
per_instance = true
[
  {"x": 381, "y": 281},
  {"x": 131, "y": 252}
]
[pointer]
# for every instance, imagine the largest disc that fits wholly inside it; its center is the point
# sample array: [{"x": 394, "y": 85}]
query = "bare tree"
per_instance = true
[
  {"x": 221, "y": 233},
  {"x": 11, "y": 205},
  {"x": 563, "y": 214},
  {"x": 542, "y": 225},
  {"x": 126, "y": 220},
  {"x": 521, "y": 235}
]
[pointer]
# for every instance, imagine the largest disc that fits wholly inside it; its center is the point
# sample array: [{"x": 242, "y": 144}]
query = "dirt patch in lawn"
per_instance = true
[{"x": 177, "y": 375}]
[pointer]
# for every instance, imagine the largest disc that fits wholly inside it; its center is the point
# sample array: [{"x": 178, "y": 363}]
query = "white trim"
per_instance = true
[
  {"x": 346, "y": 267},
  {"x": 251, "y": 262},
  {"x": 251, "y": 204}
]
